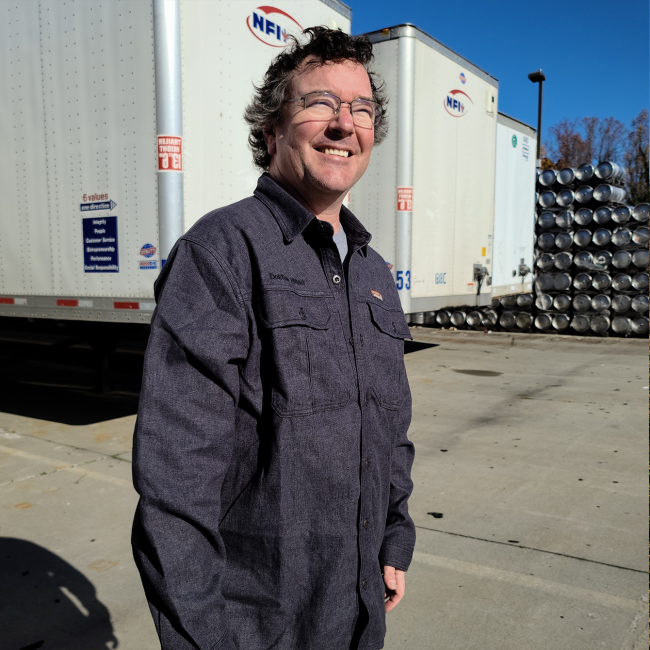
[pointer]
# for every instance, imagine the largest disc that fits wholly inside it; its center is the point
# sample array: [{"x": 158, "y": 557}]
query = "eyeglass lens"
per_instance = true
[{"x": 323, "y": 105}]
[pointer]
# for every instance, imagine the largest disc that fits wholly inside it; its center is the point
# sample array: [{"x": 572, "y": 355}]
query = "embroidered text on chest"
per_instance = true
[{"x": 281, "y": 276}]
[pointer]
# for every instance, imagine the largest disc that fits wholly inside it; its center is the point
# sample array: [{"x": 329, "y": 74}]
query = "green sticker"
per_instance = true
[{"x": 514, "y": 140}]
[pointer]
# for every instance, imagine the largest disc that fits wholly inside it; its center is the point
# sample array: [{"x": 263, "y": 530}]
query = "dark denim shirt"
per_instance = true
[{"x": 271, "y": 452}]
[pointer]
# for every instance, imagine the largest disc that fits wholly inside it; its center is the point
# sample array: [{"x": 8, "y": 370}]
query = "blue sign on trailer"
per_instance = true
[{"x": 100, "y": 245}]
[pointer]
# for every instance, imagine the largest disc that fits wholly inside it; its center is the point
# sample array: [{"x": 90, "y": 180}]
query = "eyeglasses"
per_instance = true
[{"x": 322, "y": 105}]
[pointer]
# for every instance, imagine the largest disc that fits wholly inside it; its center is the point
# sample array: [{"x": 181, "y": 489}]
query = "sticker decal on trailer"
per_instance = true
[
  {"x": 170, "y": 153},
  {"x": 457, "y": 103},
  {"x": 404, "y": 199},
  {"x": 271, "y": 25},
  {"x": 100, "y": 245}
]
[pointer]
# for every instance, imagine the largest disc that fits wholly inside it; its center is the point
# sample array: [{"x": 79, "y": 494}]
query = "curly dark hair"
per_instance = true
[{"x": 320, "y": 45}]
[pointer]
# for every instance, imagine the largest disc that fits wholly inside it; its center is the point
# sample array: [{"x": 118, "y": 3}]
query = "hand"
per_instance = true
[{"x": 395, "y": 586}]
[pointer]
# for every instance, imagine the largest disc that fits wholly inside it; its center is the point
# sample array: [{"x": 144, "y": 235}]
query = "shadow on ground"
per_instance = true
[
  {"x": 71, "y": 373},
  {"x": 45, "y": 603}
]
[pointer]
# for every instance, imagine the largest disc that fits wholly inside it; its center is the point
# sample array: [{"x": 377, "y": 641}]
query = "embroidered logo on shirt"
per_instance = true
[
  {"x": 376, "y": 294},
  {"x": 281, "y": 276}
]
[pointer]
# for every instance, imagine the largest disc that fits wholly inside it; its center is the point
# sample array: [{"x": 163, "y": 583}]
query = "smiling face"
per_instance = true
[{"x": 322, "y": 159}]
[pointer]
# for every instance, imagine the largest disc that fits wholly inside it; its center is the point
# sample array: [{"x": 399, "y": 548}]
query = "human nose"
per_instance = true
[{"x": 342, "y": 120}]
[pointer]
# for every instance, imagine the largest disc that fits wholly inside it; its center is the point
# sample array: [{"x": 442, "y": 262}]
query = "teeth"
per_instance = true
[{"x": 337, "y": 152}]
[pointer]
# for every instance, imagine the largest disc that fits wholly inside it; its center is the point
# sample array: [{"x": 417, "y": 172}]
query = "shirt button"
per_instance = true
[
  {"x": 368, "y": 463},
  {"x": 302, "y": 313},
  {"x": 336, "y": 279},
  {"x": 364, "y": 584},
  {"x": 366, "y": 523}
]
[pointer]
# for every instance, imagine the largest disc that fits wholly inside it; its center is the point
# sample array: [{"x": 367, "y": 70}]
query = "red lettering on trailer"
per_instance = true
[
  {"x": 95, "y": 197},
  {"x": 63, "y": 302},
  {"x": 126, "y": 305},
  {"x": 404, "y": 199},
  {"x": 6, "y": 301},
  {"x": 170, "y": 153}
]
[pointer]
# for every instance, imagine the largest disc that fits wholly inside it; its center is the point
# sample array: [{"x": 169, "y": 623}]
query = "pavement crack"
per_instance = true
[{"x": 532, "y": 548}]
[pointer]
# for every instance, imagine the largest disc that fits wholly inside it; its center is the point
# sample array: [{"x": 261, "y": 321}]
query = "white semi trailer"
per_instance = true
[
  {"x": 121, "y": 125},
  {"x": 514, "y": 208},
  {"x": 428, "y": 194}
]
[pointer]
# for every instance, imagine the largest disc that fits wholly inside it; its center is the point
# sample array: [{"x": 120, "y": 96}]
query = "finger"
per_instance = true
[
  {"x": 398, "y": 593},
  {"x": 389, "y": 578}
]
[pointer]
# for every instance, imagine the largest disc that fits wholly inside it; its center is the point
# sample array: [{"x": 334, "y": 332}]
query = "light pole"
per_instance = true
[{"x": 538, "y": 77}]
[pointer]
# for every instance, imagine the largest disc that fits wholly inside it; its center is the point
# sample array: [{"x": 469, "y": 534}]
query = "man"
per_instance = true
[{"x": 271, "y": 454}]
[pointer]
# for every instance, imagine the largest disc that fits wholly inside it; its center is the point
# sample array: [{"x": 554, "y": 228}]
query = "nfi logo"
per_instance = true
[
  {"x": 457, "y": 103},
  {"x": 271, "y": 25}
]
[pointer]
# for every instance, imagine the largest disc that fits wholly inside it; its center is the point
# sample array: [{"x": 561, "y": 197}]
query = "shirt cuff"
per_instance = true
[{"x": 395, "y": 556}]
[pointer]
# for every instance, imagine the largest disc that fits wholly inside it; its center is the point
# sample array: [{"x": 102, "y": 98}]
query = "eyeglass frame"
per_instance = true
[{"x": 378, "y": 114}]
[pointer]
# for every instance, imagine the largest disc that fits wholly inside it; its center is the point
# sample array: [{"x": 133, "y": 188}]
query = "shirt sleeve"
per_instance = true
[
  {"x": 399, "y": 537},
  {"x": 184, "y": 441}
]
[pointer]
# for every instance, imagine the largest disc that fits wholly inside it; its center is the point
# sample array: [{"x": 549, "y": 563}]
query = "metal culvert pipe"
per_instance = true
[
  {"x": 621, "y": 303},
  {"x": 547, "y": 199},
  {"x": 602, "y": 215},
  {"x": 582, "y": 302},
  {"x": 489, "y": 318},
  {"x": 641, "y": 212},
  {"x": 622, "y": 214},
  {"x": 564, "y": 198},
  {"x": 546, "y": 241},
  {"x": 543, "y": 301},
  {"x": 566, "y": 176},
  {"x": 601, "y": 281},
  {"x": 562, "y": 281},
  {"x": 583, "y": 216},
  {"x": 546, "y": 220},
  {"x": 584, "y": 194},
  {"x": 525, "y": 299},
  {"x": 585, "y": 172},
  {"x": 622, "y": 282},
  {"x": 564, "y": 219},
  {"x": 622, "y": 236},
  {"x": 621, "y": 325},
  {"x": 544, "y": 282},
  {"x": 547, "y": 177},
  {"x": 457, "y": 318},
  {"x": 640, "y": 281},
  {"x": 581, "y": 237},
  {"x": 563, "y": 240},
  {"x": 473, "y": 319},
  {"x": 602, "y": 237},
  {"x": 640, "y": 235},
  {"x": 417, "y": 318},
  {"x": 443, "y": 317},
  {"x": 523, "y": 320},
  {"x": 582, "y": 281},
  {"x": 640, "y": 325},
  {"x": 622, "y": 259},
  {"x": 545, "y": 261},
  {"x": 580, "y": 323},
  {"x": 604, "y": 192},
  {"x": 640, "y": 304},
  {"x": 542, "y": 321},
  {"x": 430, "y": 318},
  {"x": 601, "y": 302},
  {"x": 560, "y": 322},
  {"x": 562, "y": 302},
  {"x": 563, "y": 261},
  {"x": 583, "y": 259},
  {"x": 508, "y": 301},
  {"x": 640, "y": 257},
  {"x": 608, "y": 171},
  {"x": 603, "y": 258},
  {"x": 599, "y": 323},
  {"x": 507, "y": 320}
]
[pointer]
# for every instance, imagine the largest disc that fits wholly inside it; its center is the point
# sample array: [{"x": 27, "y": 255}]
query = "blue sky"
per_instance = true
[{"x": 594, "y": 53}]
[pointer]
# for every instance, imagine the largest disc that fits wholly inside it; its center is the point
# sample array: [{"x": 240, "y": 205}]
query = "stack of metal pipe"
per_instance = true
[{"x": 591, "y": 254}]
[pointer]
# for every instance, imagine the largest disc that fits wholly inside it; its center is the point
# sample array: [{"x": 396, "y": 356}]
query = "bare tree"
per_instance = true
[{"x": 636, "y": 159}]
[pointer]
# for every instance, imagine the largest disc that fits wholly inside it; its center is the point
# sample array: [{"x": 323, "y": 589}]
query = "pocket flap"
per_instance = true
[
  {"x": 392, "y": 323},
  {"x": 283, "y": 308}
]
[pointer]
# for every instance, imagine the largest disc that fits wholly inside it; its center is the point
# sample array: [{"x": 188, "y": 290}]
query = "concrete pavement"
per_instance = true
[{"x": 530, "y": 502}]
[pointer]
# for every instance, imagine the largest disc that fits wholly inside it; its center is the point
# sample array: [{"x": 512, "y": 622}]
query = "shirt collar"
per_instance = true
[{"x": 293, "y": 218}]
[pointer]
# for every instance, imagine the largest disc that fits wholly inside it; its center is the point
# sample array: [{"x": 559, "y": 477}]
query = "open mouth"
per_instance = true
[{"x": 342, "y": 153}]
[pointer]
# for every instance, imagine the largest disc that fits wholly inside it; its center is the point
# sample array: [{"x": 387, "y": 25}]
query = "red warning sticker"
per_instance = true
[
  {"x": 404, "y": 199},
  {"x": 170, "y": 153}
]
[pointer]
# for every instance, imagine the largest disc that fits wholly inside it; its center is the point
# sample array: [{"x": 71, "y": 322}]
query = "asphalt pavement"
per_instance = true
[{"x": 530, "y": 497}]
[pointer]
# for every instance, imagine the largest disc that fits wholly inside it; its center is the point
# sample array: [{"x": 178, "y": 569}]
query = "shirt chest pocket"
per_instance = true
[
  {"x": 304, "y": 356},
  {"x": 387, "y": 330}
]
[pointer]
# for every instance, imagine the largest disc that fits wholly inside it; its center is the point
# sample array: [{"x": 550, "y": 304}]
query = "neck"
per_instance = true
[{"x": 326, "y": 208}]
